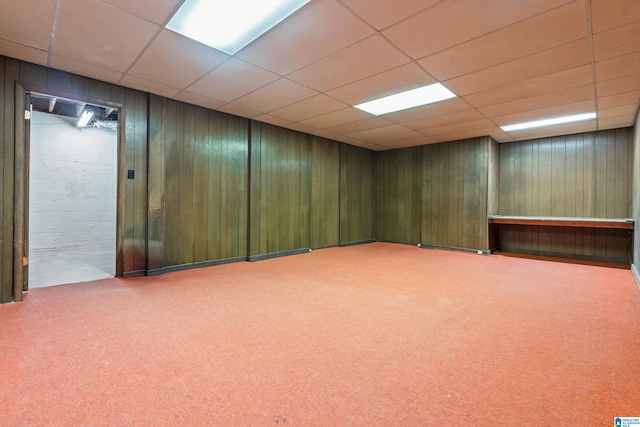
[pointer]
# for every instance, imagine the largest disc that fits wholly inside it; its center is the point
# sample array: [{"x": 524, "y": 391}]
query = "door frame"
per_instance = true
[{"x": 21, "y": 180}]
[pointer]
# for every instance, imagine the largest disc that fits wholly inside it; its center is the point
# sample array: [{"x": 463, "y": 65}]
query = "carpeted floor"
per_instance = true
[{"x": 378, "y": 334}]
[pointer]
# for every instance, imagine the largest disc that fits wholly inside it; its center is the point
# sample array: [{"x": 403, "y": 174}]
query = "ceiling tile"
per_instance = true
[
  {"x": 158, "y": 11},
  {"x": 363, "y": 59},
  {"x": 617, "y": 42},
  {"x": 233, "y": 79},
  {"x": 616, "y": 100},
  {"x": 320, "y": 28},
  {"x": 465, "y": 134},
  {"x": 562, "y": 25},
  {"x": 544, "y": 113},
  {"x": 621, "y": 110},
  {"x": 36, "y": 16},
  {"x": 300, "y": 128},
  {"x": 616, "y": 122},
  {"x": 459, "y": 127},
  {"x": 501, "y": 136},
  {"x": 310, "y": 107},
  {"x": 272, "y": 120},
  {"x": 382, "y": 131},
  {"x": 175, "y": 60},
  {"x": 580, "y": 93},
  {"x": 382, "y": 13},
  {"x": 275, "y": 95},
  {"x": 547, "y": 83},
  {"x": 403, "y": 143},
  {"x": 359, "y": 125},
  {"x": 570, "y": 55},
  {"x": 326, "y": 134},
  {"x": 444, "y": 120},
  {"x": 453, "y": 22},
  {"x": 203, "y": 101},
  {"x": 98, "y": 33},
  {"x": 335, "y": 118},
  {"x": 85, "y": 69},
  {"x": 618, "y": 67},
  {"x": 25, "y": 53},
  {"x": 619, "y": 85},
  {"x": 238, "y": 110},
  {"x": 149, "y": 86},
  {"x": 395, "y": 137},
  {"x": 608, "y": 14},
  {"x": 405, "y": 77}
]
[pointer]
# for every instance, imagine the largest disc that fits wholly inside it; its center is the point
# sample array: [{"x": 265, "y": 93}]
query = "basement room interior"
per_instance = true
[{"x": 319, "y": 212}]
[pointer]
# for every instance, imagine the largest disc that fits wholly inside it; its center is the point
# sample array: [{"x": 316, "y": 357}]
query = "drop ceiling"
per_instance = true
[{"x": 506, "y": 60}]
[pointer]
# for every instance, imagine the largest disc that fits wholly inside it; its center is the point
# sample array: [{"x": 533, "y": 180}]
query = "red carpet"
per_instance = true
[{"x": 377, "y": 334}]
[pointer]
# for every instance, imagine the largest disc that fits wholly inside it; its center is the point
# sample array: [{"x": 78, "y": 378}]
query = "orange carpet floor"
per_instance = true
[{"x": 378, "y": 334}]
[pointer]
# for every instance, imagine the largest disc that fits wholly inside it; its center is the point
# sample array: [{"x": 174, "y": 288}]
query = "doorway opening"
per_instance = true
[{"x": 72, "y": 191}]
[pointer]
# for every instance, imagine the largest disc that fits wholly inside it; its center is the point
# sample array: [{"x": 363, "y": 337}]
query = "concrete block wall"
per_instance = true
[{"x": 73, "y": 183}]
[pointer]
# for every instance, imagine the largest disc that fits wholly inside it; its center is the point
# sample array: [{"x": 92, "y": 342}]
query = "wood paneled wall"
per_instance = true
[
  {"x": 357, "y": 204},
  {"x": 398, "y": 195},
  {"x": 280, "y": 190},
  {"x": 134, "y": 119},
  {"x": 635, "y": 196},
  {"x": 435, "y": 195},
  {"x": 325, "y": 193},
  {"x": 200, "y": 167},
  {"x": 583, "y": 175},
  {"x": 455, "y": 193}
]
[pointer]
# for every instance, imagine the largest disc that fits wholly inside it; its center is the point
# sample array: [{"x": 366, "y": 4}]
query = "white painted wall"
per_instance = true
[{"x": 73, "y": 182}]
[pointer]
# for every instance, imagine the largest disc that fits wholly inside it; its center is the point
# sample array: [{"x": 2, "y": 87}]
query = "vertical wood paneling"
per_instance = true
[
  {"x": 584, "y": 175},
  {"x": 325, "y": 186},
  {"x": 156, "y": 173},
  {"x": 635, "y": 191},
  {"x": 135, "y": 215},
  {"x": 357, "y": 184},
  {"x": 398, "y": 202},
  {"x": 185, "y": 167},
  {"x": 200, "y": 184},
  {"x": 171, "y": 182},
  {"x": 280, "y": 189},
  {"x": 205, "y": 184},
  {"x": 455, "y": 193},
  {"x": 493, "y": 185}
]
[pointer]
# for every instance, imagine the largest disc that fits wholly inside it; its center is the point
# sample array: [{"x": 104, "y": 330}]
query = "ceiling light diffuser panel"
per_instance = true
[
  {"x": 230, "y": 25},
  {"x": 549, "y": 122},
  {"x": 409, "y": 99}
]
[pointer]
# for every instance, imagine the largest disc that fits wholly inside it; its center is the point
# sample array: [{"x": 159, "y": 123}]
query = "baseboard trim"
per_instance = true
[
  {"x": 636, "y": 275},
  {"x": 135, "y": 273},
  {"x": 357, "y": 242},
  {"x": 279, "y": 254},
  {"x": 193, "y": 265},
  {"x": 453, "y": 248}
]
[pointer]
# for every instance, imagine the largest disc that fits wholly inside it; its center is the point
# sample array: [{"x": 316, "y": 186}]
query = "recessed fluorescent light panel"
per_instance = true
[
  {"x": 549, "y": 122},
  {"x": 84, "y": 119},
  {"x": 230, "y": 25},
  {"x": 409, "y": 99}
]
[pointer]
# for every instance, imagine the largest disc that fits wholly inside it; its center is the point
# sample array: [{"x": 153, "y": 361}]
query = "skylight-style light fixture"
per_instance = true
[
  {"x": 230, "y": 25},
  {"x": 84, "y": 119},
  {"x": 412, "y": 98},
  {"x": 549, "y": 122}
]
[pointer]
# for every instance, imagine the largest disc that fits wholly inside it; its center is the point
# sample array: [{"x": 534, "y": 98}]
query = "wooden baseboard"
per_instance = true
[
  {"x": 270, "y": 255},
  {"x": 193, "y": 265},
  {"x": 636, "y": 275}
]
